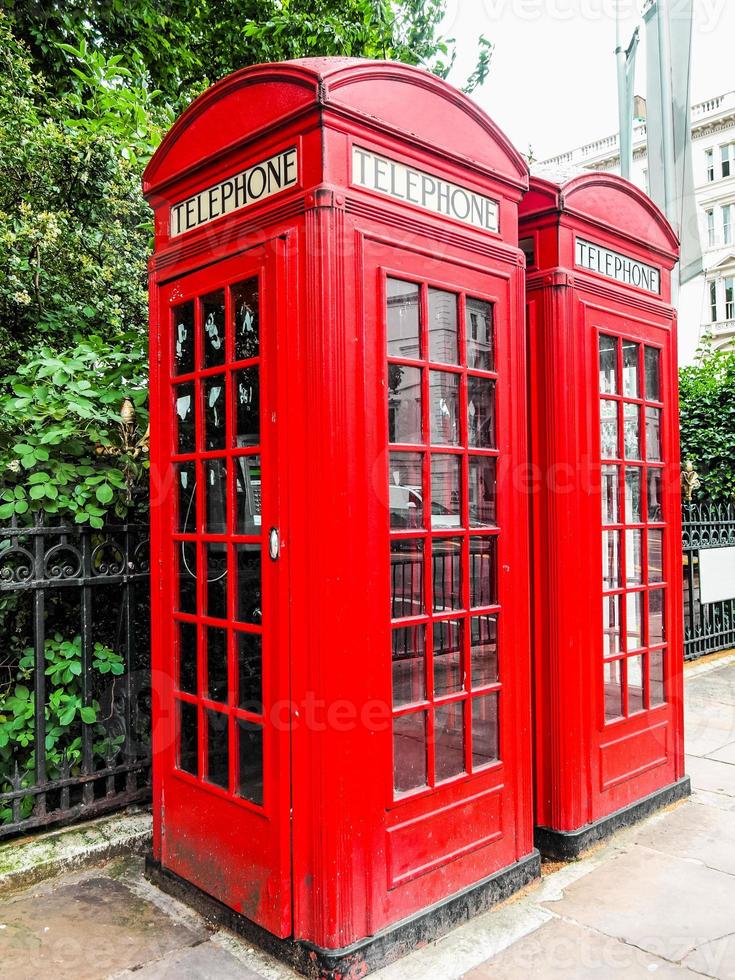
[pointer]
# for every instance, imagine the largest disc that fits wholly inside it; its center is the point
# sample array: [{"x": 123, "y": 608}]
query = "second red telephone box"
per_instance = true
[{"x": 606, "y": 515}]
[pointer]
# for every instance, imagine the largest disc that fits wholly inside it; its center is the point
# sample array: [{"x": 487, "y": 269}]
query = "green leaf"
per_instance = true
[
  {"x": 104, "y": 493},
  {"x": 89, "y": 715}
]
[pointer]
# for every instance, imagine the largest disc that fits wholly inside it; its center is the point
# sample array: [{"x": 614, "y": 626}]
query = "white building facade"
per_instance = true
[{"x": 706, "y": 303}]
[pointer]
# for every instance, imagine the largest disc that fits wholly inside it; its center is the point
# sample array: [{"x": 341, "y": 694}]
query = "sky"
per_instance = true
[{"x": 552, "y": 84}]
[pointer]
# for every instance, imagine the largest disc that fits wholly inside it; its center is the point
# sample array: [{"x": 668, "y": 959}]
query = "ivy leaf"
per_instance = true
[
  {"x": 89, "y": 715},
  {"x": 104, "y": 493}
]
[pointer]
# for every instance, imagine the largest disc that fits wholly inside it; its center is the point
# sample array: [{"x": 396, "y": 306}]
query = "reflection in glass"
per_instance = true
[
  {"x": 403, "y": 319},
  {"x": 249, "y": 671},
  {"x": 484, "y": 650},
  {"x": 183, "y": 322},
  {"x": 483, "y": 571},
  {"x": 485, "y": 747},
  {"x": 656, "y": 682},
  {"x": 407, "y": 577},
  {"x": 408, "y": 656},
  {"x": 215, "y": 473},
  {"x": 186, "y": 517},
  {"x": 634, "y": 620},
  {"x": 634, "y": 666},
  {"x": 610, "y": 560},
  {"x": 186, "y": 555},
  {"x": 444, "y": 408},
  {"x": 630, "y": 368},
  {"x": 653, "y": 434},
  {"x": 653, "y": 374},
  {"x": 448, "y": 740},
  {"x": 608, "y": 365},
  {"x": 611, "y": 625},
  {"x": 214, "y": 412},
  {"x": 248, "y": 490},
  {"x": 188, "y": 755},
  {"x": 613, "y": 690},
  {"x": 656, "y": 624},
  {"x": 633, "y": 513},
  {"x": 247, "y": 407},
  {"x": 404, "y": 405},
  {"x": 249, "y": 598},
  {"x": 409, "y": 752},
  {"x": 608, "y": 429},
  {"x": 655, "y": 556},
  {"x": 250, "y": 761},
  {"x": 245, "y": 313},
  {"x": 481, "y": 413},
  {"x": 447, "y": 573},
  {"x": 448, "y": 642},
  {"x": 184, "y": 404},
  {"x": 213, "y": 328},
  {"x": 634, "y": 557},
  {"x": 482, "y": 491},
  {"x": 218, "y": 744},
  {"x": 216, "y": 554},
  {"x": 443, "y": 342},
  {"x": 445, "y": 492},
  {"x": 632, "y": 431},
  {"x": 479, "y": 329},
  {"x": 655, "y": 496},
  {"x": 216, "y": 664},
  {"x": 610, "y": 494},
  {"x": 405, "y": 494},
  {"x": 188, "y": 672}
]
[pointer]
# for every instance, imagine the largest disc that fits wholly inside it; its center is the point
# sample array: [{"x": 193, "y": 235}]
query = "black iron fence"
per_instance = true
[
  {"x": 74, "y": 672},
  {"x": 708, "y": 627}
]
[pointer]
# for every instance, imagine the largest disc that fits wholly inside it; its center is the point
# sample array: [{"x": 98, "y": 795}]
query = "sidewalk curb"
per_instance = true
[{"x": 29, "y": 860}]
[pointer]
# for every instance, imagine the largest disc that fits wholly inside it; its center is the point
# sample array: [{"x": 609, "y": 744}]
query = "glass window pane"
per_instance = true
[
  {"x": 631, "y": 353},
  {"x": 479, "y": 330},
  {"x": 216, "y": 555},
  {"x": 610, "y": 494},
  {"x": 611, "y": 625},
  {"x": 443, "y": 342},
  {"x": 481, "y": 413},
  {"x": 634, "y": 557},
  {"x": 186, "y": 562},
  {"x": 216, "y": 664},
  {"x": 186, "y": 516},
  {"x": 656, "y": 663},
  {"x": 214, "y": 412},
  {"x": 407, "y": 578},
  {"x": 405, "y": 490},
  {"x": 655, "y": 556},
  {"x": 656, "y": 623},
  {"x": 444, "y": 399},
  {"x": 448, "y": 740},
  {"x": 613, "y": 690},
  {"x": 249, "y": 597},
  {"x": 483, "y": 491},
  {"x": 447, "y": 573},
  {"x": 653, "y": 433},
  {"x": 184, "y": 404},
  {"x": 188, "y": 759},
  {"x": 218, "y": 755},
  {"x": 409, "y": 665},
  {"x": 405, "y": 423},
  {"x": 187, "y": 657},
  {"x": 609, "y": 429},
  {"x": 248, "y": 647},
  {"x": 655, "y": 496},
  {"x": 653, "y": 374},
  {"x": 608, "y": 365},
  {"x": 483, "y": 571},
  {"x": 409, "y": 752},
  {"x": 403, "y": 319},
  {"x": 633, "y": 512},
  {"x": 215, "y": 473},
  {"x": 446, "y": 498},
  {"x": 634, "y": 620},
  {"x": 183, "y": 321},
  {"x": 485, "y": 747},
  {"x": 213, "y": 328},
  {"x": 636, "y": 702},
  {"x": 632, "y": 431},
  {"x": 247, "y": 407},
  {"x": 610, "y": 560},
  {"x": 448, "y": 641},
  {"x": 245, "y": 314},
  {"x": 484, "y": 650},
  {"x": 248, "y": 489},
  {"x": 250, "y": 761}
]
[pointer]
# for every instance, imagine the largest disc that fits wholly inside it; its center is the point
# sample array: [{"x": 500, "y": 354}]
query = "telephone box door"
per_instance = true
[{"x": 225, "y": 762}]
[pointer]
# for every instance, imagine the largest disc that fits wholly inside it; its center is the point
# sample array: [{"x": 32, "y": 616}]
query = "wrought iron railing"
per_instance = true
[
  {"x": 708, "y": 627},
  {"x": 74, "y": 672}
]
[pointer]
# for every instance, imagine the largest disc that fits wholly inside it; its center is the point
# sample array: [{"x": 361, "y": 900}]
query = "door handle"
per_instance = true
[{"x": 274, "y": 543}]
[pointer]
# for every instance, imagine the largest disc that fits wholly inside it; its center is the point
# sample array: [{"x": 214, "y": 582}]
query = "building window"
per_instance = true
[
  {"x": 713, "y": 301},
  {"x": 727, "y": 224},
  {"x": 730, "y": 298},
  {"x": 727, "y": 153},
  {"x": 710, "y": 227},
  {"x": 709, "y": 160}
]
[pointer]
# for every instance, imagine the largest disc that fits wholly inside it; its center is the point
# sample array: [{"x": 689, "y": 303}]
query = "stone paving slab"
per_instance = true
[
  {"x": 715, "y": 959},
  {"x": 710, "y": 775},
  {"x": 701, "y": 833},
  {"x": 726, "y": 754},
  {"x": 203, "y": 962}
]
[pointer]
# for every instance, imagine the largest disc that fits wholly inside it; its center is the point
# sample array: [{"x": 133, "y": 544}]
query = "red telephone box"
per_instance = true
[
  {"x": 342, "y": 723},
  {"x": 607, "y": 510}
]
